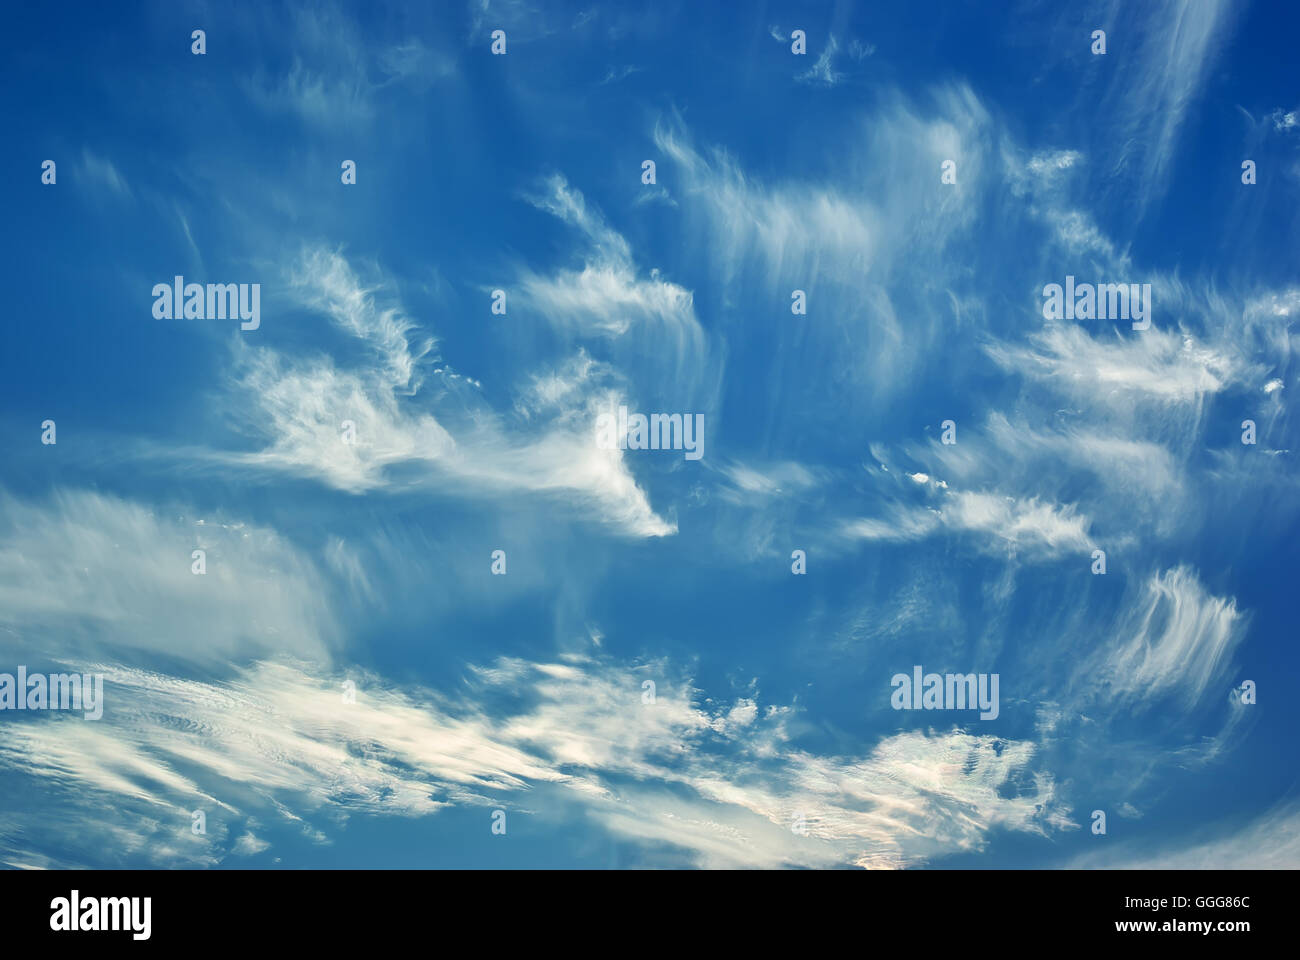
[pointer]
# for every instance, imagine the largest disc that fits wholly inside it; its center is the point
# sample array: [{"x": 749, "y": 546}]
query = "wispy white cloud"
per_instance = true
[
  {"x": 279, "y": 743},
  {"x": 1175, "y": 640},
  {"x": 1170, "y": 49},
  {"x": 1158, "y": 365},
  {"x": 1269, "y": 842},
  {"x": 1026, "y": 522},
  {"x": 301, "y": 404},
  {"x": 605, "y": 296},
  {"x": 615, "y": 74},
  {"x": 86, "y": 572},
  {"x": 336, "y": 78},
  {"x": 1042, "y": 528},
  {"x": 861, "y": 241},
  {"x": 101, "y": 173},
  {"x": 859, "y": 50},
  {"x": 823, "y": 73},
  {"x": 1285, "y": 120},
  {"x": 757, "y": 483},
  {"x": 1130, "y": 487}
]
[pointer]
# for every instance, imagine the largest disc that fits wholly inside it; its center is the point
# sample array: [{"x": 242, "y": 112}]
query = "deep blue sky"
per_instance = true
[{"x": 370, "y": 562}]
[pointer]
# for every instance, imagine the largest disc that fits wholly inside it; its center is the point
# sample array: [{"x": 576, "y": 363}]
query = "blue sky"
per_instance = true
[{"x": 771, "y": 740}]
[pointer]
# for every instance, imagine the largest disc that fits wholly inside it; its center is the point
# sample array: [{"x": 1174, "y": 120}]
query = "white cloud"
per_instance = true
[
  {"x": 1049, "y": 163},
  {"x": 604, "y": 297},
  {"x": 1041, "y": 527},
  {"x": 1023, "y": 522},
  {"x": 1156, "y": 364},
  {"x": 722, "y": 784},
  {"x": 785, "y": 228},
  {"x": 861, "y": 240},
  {"x": 89, "y": 571},
  {"x": 299, "y": 404},
  {"x": 336, "y": 78},
  {"x": 1270, "y": 842},
  {"x": 1285, "y": 120},
  {"x": 822, "y": 72},
  {"x": 1175, "y": 641},
  {"x": 1170, "y": 50},
  {"x": 249, "y": 845},
  {"x": 859, "y": 50},
  {"x": 100, "y": 172},
  {"x": 755, "y": 483}
]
